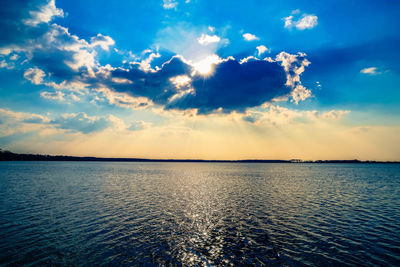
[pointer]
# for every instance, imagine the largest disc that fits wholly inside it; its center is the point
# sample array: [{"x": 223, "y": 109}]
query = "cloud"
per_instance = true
[
  {"x": 227, "y": 85},
  {"x": 145, "y": 63},
  {"x": 333, "y": 114},
  {"x": 370, "y": 71},
  {"x": 48, "y": 47},
  {"x": 234, "y": 86},
  {"x": 81, "y": 123},
  {"x": 20, "y": 124},
  {"x": 44, "y": 14},
  {"x": 138, "y": 125},
  {"x": 57, "y": 95},
  {"x": 121, "y": 80},
  {"x": 6, "y": 65},
  {"x": 103, "y": 41},
  {"x": 206, "y": 39},
  {"x": 294, "y": 65},
  {"x": 305, "y": 22},
  {"x": 123, "y": 99},
  {"x": 169, "y": 4},
  {"x": 34, "y": 75},
  {"x": 75, "y": 97},
  {"x": 277, "y": 115},
  {"x": 14, "y": 57},
  {"x": 250, "y": 37},
  {"x": 8, "y": 116},
  {"x": 261, "y": 49},
  {"x": 300, "y": 93}
]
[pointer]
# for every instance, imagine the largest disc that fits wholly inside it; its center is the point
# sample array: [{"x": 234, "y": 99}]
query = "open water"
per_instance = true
[{"x": 204, "y": 214}]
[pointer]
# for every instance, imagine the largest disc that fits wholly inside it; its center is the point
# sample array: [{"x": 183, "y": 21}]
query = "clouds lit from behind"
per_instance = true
[
  {"x": 43, "y": 14},
  {"x": 178, "y": 85},
  {"x": 206, "y": 39}
]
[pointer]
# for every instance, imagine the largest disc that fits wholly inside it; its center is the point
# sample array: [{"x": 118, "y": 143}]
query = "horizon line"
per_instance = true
[{"x": 6, "y": 155}]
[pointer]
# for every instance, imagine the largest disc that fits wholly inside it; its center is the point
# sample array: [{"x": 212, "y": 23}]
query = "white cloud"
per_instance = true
[
  {"x": 305, "y": 22},
  {"x": 180, "y": 81},
  {"x": 5, "y": 51},
  {"x": 206, "y": 39},
  {"x": 370, "y": 71},
  {"x": 9, "y": 116},
  {"x": 14, "y": 57},
  {"x": 261, "y": 49},
  {"x": 121, "y": 80},
  {"x": 45, "y": 14},
  {"x": 103, "y": 41},
  {"x": 300, "y": 93},
  {"x": 124, "y": 100},
  {"x": 145, "y": 63},
  {"x": 57, "y": 95},
  {"x": 248, "y": 59},
  {"x": 75, "y": 97},
  {"x": 6, "y": 65},
  {"x": 294, "y": 66},
  {"x": 169, "y": 4},
  {"x": 81, "y": 54},
  {"x": 34, "y": 75},
  {"x": 288, "y": 21},
  {"x": 81, "y": 122},
  {"x": 249, "y": 37}
]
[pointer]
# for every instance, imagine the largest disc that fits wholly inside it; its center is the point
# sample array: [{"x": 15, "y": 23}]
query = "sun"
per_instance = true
[{"x": 205, "y": 66}]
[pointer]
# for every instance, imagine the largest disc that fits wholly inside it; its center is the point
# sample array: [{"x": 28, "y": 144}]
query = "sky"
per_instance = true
[{"x": 201, "y": 79}]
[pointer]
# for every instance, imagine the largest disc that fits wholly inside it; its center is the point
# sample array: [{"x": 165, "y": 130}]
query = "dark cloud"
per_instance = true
[
  {"x": 235, "y": 86},
  {"x": 52, "y": 61},
  {"x": 81, "y": 123},
  {"x": 231, "y": 86},
  {"x": 13, "y": 23},
  {"x": 153, "y": 85}
]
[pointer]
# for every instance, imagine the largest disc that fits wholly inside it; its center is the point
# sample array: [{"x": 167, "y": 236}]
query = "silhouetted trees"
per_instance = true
[{"x": 6, "y": 155}]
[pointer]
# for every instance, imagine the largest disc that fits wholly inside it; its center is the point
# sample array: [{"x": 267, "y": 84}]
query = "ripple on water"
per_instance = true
[{"x": 91, "y": 213}]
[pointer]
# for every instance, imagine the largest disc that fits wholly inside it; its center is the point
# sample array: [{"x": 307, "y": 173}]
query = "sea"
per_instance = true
[{"x": 199, "y": 214}]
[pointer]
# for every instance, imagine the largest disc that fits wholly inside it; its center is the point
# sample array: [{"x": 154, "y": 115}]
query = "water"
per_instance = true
[{"x": 95, "y": 213}]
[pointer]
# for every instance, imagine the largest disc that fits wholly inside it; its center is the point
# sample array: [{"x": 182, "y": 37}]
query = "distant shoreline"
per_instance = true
[{"x": 10, "y": 156}]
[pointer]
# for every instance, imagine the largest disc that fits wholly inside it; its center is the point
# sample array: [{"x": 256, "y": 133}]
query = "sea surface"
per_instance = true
[{"x": 204, "y": 214}]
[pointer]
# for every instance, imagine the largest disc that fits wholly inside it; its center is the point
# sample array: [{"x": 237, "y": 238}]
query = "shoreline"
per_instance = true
[{"x": 10, "y": 156}]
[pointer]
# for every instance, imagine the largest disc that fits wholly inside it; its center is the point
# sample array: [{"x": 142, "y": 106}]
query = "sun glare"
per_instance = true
[{"x": 206, "y": 65}]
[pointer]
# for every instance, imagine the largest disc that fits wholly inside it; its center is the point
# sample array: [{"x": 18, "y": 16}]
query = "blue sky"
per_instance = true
[{"x": 201, "y": 79}]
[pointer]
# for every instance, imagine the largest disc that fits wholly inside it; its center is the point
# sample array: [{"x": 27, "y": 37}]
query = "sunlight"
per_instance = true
[{"x": 205, "y": 66}]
